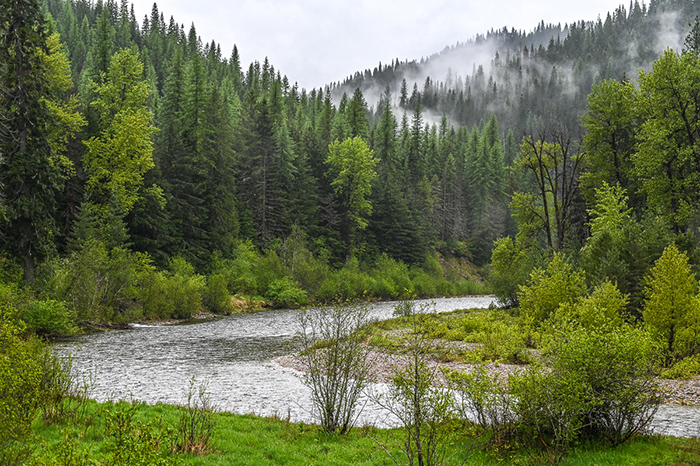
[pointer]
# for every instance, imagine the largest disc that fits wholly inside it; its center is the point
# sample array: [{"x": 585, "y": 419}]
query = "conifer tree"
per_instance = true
[{"x": 35, "y": 123}]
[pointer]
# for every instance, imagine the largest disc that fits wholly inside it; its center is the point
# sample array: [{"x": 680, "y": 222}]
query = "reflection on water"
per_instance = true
[{"x": 232, "y": 355}]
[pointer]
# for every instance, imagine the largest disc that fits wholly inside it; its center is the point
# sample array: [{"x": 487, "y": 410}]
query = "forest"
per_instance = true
[
  {"x": 147, "y": 176},
  {"x": 145, "y": 173}
]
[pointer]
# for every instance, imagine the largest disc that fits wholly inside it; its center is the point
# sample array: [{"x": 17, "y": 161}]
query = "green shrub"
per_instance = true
[
  {"x": 216, "y": 296},
  {"x": 685, "y": 369},
  {"x": 50, "y": 318},
  {"x": 21, "y": 375},
  {"x": 509, "y": 270},
  {"x": 165, "y": 296},
  {"x": 131, "y": 442},
  {"x": 549, "y": 288},
  {"x": 617, "y": 368},
  {"x": 286, "y": 293}
]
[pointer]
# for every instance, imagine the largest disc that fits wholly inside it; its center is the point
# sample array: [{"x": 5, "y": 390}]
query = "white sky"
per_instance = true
[{"x": 315, "y": 42}]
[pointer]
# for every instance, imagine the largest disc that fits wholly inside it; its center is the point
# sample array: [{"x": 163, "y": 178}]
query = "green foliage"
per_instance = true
[
  {"x": 616, "y": 370},
  {"x": 685, "y": 369},
  {"x": 196, "y": 422},
  {"x": 424, "y": 409},
  {"x": 671, "y": 308},
  {"x": 216, "y": 297},
  {"x": 602, "y": 309},
  {"x": 95, "y": 282},
  {"x": 549, "y": 288},
  {"x": 485, "y": 400},
  {"x": 337, "y": 362},
  {"x": 51, "y": 318},
  {"x": 286, "y": 293},
  {"x": 133, "y": 442},
  {"x": 21, "y": 376},
  {"x": 509, "y": 270},
  {"x": 668, "y": 136},
  {"x": 116, "y": 161},
  {"x": 176, "y": 294}
]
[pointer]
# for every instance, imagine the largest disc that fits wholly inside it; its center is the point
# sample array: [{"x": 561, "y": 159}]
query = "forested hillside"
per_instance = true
[{"x": 129, "y": 141}]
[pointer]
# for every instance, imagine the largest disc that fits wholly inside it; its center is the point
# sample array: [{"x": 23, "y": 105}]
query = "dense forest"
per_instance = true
[{"x": 138, "y": 162}]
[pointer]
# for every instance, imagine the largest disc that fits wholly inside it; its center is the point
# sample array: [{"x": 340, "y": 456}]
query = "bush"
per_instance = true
[
  {"x": 337, "y": 362},
  {"x": 216, "y": 296},
  {"x": 95, "y": 282},
  {"x": 286, "y": 293},
  {"x": 509, "y": 269},
  {"x": 21, "y": 376},
  {"x": 485, "y": 400},
  {"x": 50, "y": 318},
  {"x": 423, "y": 408},
  {"x": 549, "y": 288},
  {"x": 684, "y": 369},
  {"x": 196, "y": 422},
  {"x": 131, "y": 442},
  {"x": 617, "y": 370},
  {"x": 167, "y": 296}
]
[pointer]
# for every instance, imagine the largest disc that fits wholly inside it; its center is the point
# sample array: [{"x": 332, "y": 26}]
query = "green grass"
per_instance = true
[{"x": 251, "y": 440}]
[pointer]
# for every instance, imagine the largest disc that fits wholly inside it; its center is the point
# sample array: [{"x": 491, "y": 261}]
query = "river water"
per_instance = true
[{"x": 233, "y": 356}]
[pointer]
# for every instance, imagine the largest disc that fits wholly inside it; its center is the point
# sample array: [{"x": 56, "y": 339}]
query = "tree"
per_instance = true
[
  {"x": 671, "y": 306},
  {"x": 555, "y": 167},
  {"x": 351, "y": 165},
  {"x": 668, "y": 157},
  {"x": 611, "y": 126},
  {"x": 35, "y": 123},
  {"x": 116, "y": 160}
]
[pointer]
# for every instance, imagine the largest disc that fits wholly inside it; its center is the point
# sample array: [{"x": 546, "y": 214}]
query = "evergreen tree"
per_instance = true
[{"x": 35, "y": 121}]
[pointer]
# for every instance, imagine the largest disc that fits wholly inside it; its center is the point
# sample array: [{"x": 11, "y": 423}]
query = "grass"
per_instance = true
[{"x": 251, "y": 440}]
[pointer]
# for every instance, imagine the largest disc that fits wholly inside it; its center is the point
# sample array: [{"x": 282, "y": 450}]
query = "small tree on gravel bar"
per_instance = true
[{"x": 337, "y": 361}]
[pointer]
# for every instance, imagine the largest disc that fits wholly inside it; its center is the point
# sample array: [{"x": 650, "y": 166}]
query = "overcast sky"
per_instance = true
[{"x": 315, "y": 42}]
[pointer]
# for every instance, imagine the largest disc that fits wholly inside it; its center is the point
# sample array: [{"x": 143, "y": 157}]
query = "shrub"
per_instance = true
[
  {"x": 21, "y": 375},
  {"x": 485, "y": 400},
  {"x": 167, "y": 296},
  {"x": 424, "y": 410},
  {"x": 509, "y": 269},
  {"x": 337, "y": 361},
  {"x": 196, "y": 421},
  {"x": 686, "y": 368},
  {"x": 617, "y": 368},
  {"x": 286, "y": 293},
  {"x": 549, "y": 288},
  {"x": 131, "y": 442},
  {"x": 216, "y": 296},
  {"x": 50, "y": 318}
]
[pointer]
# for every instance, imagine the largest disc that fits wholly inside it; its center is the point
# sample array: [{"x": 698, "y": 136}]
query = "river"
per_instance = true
[{"x": 233, "y": 356}]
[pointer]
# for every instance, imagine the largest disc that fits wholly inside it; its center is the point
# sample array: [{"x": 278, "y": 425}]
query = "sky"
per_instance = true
[{"x": 316, "y": 42}]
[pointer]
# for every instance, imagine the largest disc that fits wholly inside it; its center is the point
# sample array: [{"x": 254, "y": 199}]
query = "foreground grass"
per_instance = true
[{"x": 251, "y": 440}]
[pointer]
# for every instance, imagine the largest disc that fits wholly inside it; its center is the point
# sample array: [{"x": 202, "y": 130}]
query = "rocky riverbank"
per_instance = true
[{"x": 680, "y": 392}]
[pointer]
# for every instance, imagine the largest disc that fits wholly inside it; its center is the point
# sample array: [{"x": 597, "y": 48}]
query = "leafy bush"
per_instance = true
[
  {"x": 509, "y": 270},
  {"x": 617, "y": 370},
  {"x": 167, "y": 296},
  {"x": 337, "y": 362},
  {"x": 549, "y": 288},
  {"x": 21, "y": 375},
  {"x": 285, "y": 292},
  {"x": 216, "y": 296},
  {"x": 95, "y": 282},
  {"x": 51, "y": 318},
  {"x": 686, "y": 368},
  {"x": 131, "y": 442},
  {"x": 485, "y": 400},
  {"x": 603, "y": 308}
]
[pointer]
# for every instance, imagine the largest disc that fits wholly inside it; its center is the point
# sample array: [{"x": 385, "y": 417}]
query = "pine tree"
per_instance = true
[{"x": 35, "y": 124}]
